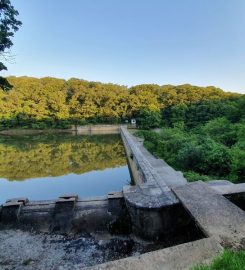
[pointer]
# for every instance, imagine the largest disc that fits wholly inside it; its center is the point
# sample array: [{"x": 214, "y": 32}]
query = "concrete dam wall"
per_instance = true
[{"x": 159, "y": 206}]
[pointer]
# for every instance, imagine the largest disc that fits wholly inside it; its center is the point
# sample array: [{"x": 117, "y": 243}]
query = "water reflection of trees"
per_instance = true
[{"x": 54, "y": 155}]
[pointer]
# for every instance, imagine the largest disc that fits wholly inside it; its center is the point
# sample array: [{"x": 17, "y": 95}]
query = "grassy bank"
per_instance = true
[{"x": 229, "y": 260}]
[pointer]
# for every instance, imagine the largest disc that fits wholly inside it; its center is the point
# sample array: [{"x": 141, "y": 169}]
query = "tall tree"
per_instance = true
[{"x": 8, "y": 26}]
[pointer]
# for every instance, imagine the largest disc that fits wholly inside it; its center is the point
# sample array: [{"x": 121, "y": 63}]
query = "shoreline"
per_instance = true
[{"x": 76, "y": 130}]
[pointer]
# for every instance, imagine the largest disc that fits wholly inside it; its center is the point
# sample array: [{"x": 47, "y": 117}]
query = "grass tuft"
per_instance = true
[{"x": 228, "y": 260}]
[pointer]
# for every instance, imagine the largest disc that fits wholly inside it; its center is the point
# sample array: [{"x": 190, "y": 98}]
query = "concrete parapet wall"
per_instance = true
[
  {"x": 86, "y": 130},
  {"x": 150, "y": 202},
  {"x": 147, "y": 168},
  {"x": 67, "y": 215},
  {"x": 97, "y": 129},
  {"x": 142, "y": 168}
]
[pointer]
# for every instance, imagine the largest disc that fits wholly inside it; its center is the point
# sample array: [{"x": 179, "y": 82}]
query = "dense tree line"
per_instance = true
[
  {"x": 56, "y": 154},
  {"x": 56, "y": 103},
  {"x": 206, "y": 140}
]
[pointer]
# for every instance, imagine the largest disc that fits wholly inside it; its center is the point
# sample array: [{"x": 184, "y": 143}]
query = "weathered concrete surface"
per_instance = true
[
  {"x": 148, "y": 196},
  {"x": 97, "y": 129},
  {"x": 179, "y": 257},
  {"x": 228, "y": 189},
  {"x": 21, "y": 132},
  {"x": 160, "y": 171},
  {"x": 87, "y": 129},
  {"x": 146, "y": 200},
  {"x": 215, "y": 214},
  {"x": 219, "y": 183},
  {"x": 233, "y": 192},
  {"x": 86, "y": 215},
  {"x": 171, "y": 177},
  {"x": 151, "y": 190}
]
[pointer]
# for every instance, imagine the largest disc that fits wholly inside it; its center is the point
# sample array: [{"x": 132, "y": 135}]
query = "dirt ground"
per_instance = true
[{"x": 21, "y": 250}]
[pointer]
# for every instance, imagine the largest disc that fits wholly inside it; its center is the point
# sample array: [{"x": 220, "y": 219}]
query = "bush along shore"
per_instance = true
[{"x": 206, "y": 141}]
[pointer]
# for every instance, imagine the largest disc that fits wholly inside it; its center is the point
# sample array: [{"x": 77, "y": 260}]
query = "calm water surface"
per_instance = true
[{"x": 47, "y": 166}]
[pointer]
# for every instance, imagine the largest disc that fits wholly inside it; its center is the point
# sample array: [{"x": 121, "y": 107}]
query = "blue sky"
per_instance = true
[{"x": 130, "y": 42}]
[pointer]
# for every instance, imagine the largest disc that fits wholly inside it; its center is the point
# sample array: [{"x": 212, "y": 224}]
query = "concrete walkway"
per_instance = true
[{"x": 216, "y": 215}]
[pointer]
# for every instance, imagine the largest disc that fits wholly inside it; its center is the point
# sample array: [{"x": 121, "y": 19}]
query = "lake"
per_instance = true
[{"x": 43, "y": 167}]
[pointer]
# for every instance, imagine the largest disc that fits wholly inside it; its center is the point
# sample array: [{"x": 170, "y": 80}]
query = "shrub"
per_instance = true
[
  {"x": 147, "y": 119},
  {"x": 221, "y": 130},
  {"x": 194, "y": 176},
  {"x": 238, "y": 162}
]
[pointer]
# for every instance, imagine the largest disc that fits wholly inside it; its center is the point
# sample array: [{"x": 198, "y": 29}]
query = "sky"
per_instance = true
[{"x": 129, "y": 42}]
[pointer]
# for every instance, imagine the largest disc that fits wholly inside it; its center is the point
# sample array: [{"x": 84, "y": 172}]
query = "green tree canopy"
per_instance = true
[
  {"x": 51, "y": 103},
  {"x": 8, "y": 26},
  {"x": 147, "y": 119}
]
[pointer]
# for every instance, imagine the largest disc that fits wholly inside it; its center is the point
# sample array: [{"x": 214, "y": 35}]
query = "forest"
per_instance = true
[{"x": 57, "y": 103}]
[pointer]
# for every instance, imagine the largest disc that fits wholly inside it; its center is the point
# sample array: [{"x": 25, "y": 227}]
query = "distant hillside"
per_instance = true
[{"x": 51, "y": 102}]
